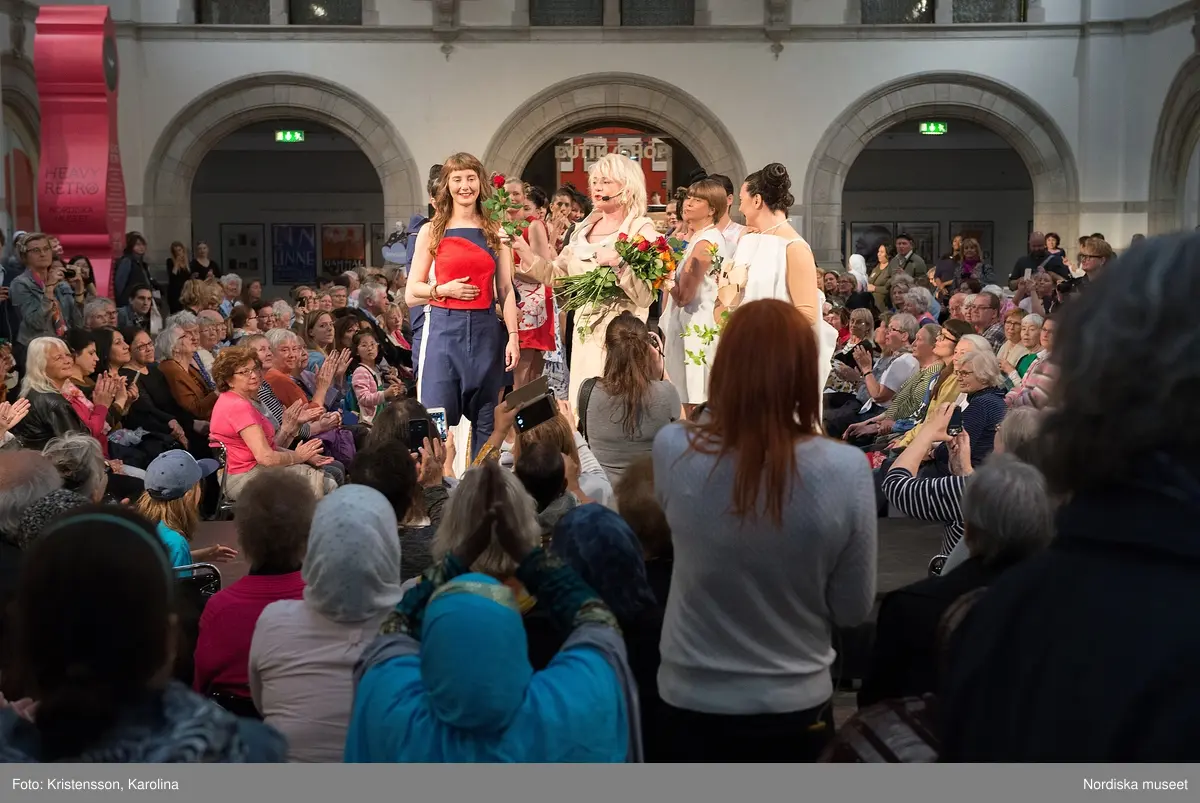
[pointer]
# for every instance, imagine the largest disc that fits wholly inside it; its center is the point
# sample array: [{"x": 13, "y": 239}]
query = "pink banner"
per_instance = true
[{"x": 81, "y": 190}]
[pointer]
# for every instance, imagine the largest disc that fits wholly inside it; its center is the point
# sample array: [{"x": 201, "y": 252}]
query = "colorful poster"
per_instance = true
[
  {"x": 343, "y": 247},
  {"x": 293, "y": 253}
]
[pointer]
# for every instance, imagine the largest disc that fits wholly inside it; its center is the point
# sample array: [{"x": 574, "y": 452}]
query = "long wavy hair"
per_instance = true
[
  {"x": 627, "y": 368},
  {"x": 762, "y": 399},
  {"x": 443, "y": 203}
]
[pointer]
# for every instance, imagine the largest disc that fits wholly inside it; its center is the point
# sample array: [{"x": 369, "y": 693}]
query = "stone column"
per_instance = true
[
  {"x": 943, "y": 12},
  {"x": 612, "y": 13},
  {"x": 279, "y": 12}
]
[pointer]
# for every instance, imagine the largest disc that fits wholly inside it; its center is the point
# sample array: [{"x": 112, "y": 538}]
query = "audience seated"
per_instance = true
[
  {"x": 449, "y": 679},
  {"x": 175, "y": 349},
  {"x": 304, "y": 651},
  {"x": 172, "y": 500},
  {"x": 1007, "y": 518},
  {"x": 272, "y": 521},
  {"x": 98, "y": 579}
]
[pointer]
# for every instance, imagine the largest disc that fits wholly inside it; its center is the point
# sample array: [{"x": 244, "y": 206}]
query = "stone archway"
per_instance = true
[
  {"x": 19, "y": 90},
  {"x": 1176, "y": 139},
  {"x": 192, "y": 133},
  {"x": 604, "y": 97},
  {"x": 1025, "y": 125}
]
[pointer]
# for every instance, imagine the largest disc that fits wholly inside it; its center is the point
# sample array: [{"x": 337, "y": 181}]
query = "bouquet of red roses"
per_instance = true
[
  {"x": 500, "y": 204},
  {"x": 652, "y": 261}
]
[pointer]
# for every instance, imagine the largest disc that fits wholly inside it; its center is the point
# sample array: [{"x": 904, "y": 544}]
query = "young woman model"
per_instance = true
[
  {"x": 693, "y": 298},
  {"x": 461, "y": 269},
  {"x": 536, "y": 306}
]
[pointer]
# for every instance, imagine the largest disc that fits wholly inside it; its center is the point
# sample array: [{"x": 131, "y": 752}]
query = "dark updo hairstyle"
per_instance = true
[
  {"x": 537, "y": 197},
  {"x": 774, "y": 185},
  {"x": 78, "y": 340},
  {"x": 92, "y": 624},
  {"x": 678, "y": 198}
]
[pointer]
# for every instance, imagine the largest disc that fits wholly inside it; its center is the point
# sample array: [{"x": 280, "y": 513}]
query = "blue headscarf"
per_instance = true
[
  {"x": 466, "y": 692},
  {"x": 598, "y": 544}
]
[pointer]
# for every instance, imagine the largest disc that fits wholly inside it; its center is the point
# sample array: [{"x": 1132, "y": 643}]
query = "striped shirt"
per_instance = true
[
  {"x": 937, "y": 499},
  {"x": 911, "y": 394}
]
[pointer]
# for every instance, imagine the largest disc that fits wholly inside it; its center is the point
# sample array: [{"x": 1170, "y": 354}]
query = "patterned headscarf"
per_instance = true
[
  {"x": 352, "y": 567},
  {"x": 598, "y": 544},
  {"x": 43, "y": 511}
]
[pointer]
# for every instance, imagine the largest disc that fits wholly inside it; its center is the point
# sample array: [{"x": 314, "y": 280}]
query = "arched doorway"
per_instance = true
[
  {"x": 22, "y": 144},
  {"x": 1173, "y": 159},
  {"x": 646, "y": 106},
  {"x": 966, "y": 181},
  {"x": 286, "y": 210},
  {"x": 230, "y": 107},
  {"x": 1009, "y": 113}
]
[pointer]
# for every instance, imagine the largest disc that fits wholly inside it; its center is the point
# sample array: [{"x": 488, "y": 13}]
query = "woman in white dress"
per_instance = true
[
  {"x": 774, "y": 261},
  {"x": 692, "y": 302},
  {"x": 618, "y": 190}
]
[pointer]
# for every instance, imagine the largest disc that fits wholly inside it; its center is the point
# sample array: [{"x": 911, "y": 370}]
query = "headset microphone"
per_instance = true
[{"x": 607, "y": 198}]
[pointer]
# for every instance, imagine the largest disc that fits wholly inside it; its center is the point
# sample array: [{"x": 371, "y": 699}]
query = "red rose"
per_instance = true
[
  {"x": 644, "y": 245},
  {"x": 623, "y": 237},
  {"x": 498, "y": 181},
  {"x": 661, "y": 242}
]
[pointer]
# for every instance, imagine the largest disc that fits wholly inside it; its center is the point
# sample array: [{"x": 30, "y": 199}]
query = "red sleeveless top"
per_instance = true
[{"x": 464, "y": 254}]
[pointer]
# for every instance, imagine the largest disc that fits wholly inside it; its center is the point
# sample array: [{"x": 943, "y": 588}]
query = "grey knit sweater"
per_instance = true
[{"x": 749, "y": 619}]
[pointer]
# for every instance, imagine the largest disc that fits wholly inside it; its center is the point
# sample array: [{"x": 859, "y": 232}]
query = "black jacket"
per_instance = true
[
  {"x": 50, "y": 415},
  {"x": 1090, "y": 651},
  {"x": 906, "y": 660}
]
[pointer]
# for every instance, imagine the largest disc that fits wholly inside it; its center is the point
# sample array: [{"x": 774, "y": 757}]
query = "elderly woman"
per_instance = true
[
  {"x": 448, "y": 679},
  {"x": 852, "y": 288},
  {"x": 212, "y": 329},
  {"x": 292, "y": 382},
  {"x": 843, "y": 381},
  {"x": 303, "y": 652},
  {"x": 56, "y": 405},
  {"x": 979, "y": 377},
  {"x": 98, "y": 313},
  {"x": 1031, "y": 345},
  {"x": 273, "y": 521},
  {"x": 1007, "y": 517},
  {"x": 618, "y": 190},
  {"x": 80, "y": 463},
  {"x": 231, "y": 285},
  {"x": 919, "y": 303},
  {"x": 1040, "y": 373},
  {"x": 248, "y": 436},
  {"x": 901, "y": 283},
  {"x": 1013, "y": 349},
  {"x": 176, "y": 348},
  {"x": 244, "y": 321}
]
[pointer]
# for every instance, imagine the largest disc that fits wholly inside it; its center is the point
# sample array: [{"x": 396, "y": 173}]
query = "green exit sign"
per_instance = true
[
  {"x": 289, "y": 136},
  {"x": 934, "y": 129}
]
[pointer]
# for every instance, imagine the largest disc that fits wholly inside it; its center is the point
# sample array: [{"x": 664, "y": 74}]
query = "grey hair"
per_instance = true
[
  {"x": 903, "y": 280},
  {"x": 167, "y": 342},
  {"x": 25, "y": 477},
  {"x": 277, "y": 337},
  {"x": 1033, "y": 318},
  {"x": 370, "y": 291},
  {"x": 931, "y": 331},
  {"x": 909, "y": 324},
  {"x": 183, "y": 320},
  {"x": 30, "y": 237},
  {"x": 920, "y": 298},
  {"x": 985, "y": 366},
  {"x": 36, "y": 358},
  {"x": 231, "y": 281},
  {"x": 969, "y": 300},
  {"x": 210, "y": 315},
  {"x": 1018, "y": 433},
  {"x": 978, "y": 342},
  {"x": 1007, "y": 511},
  {"x": 97, "y": 306},
  {"x": 79, "y": 462},
  {"x": 466, "y": 508},
  {"x": 283, "y": 309}
]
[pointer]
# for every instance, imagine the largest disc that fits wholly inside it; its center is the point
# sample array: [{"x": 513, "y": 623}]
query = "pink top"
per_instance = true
[
  {"x": 230, "y": 416},
  {"x": 366, "y": 389}
]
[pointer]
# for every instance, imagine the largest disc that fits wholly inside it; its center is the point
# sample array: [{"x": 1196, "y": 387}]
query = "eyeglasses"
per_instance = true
[
  {"x": 43, "y": 249},
  {"x": 144, "y": 346},
  {"x": 963, "y": 374},
  {"x": 948, "y": 338},
  {"x": 255, "y": 371},
  {"x": 1088, "y": 256}
]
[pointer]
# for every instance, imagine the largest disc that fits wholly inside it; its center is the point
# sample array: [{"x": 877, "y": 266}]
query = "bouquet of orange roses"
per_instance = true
[{"x": 652, "y": 261}]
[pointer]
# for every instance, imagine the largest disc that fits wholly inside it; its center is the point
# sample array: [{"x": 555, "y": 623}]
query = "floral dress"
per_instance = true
[
  {"x": 535, "y": 308},
  {"x": 687, "y": 356}
]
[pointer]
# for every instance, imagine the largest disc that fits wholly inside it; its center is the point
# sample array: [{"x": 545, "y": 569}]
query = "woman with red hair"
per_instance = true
[{"x": 774, "y": 534}]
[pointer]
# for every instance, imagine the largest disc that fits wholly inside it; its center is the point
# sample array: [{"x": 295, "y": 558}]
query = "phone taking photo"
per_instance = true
[
  {"x": 438, "y": 414},
  {"x": 418, "y": 431},
  {"x": 535, "y": 413}
]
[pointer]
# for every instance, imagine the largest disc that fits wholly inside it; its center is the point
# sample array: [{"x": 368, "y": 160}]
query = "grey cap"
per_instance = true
[{"x": 172, "y": 474}]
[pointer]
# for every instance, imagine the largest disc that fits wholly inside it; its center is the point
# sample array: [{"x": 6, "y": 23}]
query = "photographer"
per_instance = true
[{"x": 49, "y": 302}]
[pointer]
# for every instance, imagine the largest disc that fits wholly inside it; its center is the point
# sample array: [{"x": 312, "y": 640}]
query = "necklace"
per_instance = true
[{"x": 776, "y": 226}]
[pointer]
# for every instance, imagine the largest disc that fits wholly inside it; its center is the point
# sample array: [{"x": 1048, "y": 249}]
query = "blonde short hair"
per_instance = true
[{"x": 629, "y": 175}]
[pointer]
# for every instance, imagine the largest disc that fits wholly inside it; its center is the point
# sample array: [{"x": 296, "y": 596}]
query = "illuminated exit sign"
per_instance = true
[
  {"x": 934, "y": 129},
  {"x": 289, "y": 136}
]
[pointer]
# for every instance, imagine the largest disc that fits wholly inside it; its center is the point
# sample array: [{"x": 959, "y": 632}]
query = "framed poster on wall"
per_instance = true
[
  {"x": 343, "y": 247},
  {"x": 864, "y": 239},
  {"x": 378, "y": 240},
  {"x": 926, "y": 237},
  {"x": 982, "y": 230},
  {"x": 242, "y": 249},
  {"x": 293, "y": 253}
]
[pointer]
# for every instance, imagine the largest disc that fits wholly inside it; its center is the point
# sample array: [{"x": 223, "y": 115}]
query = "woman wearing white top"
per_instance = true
[
  {"x": 618, "y": 189},
  {"x": 775, "y": 262},
  {"x": 693, "y": 298}
]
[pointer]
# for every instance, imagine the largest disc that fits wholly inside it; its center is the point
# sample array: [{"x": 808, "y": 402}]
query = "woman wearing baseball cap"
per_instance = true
[{"x": 172, "y": 498}]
